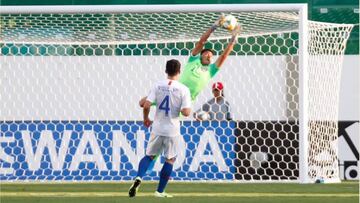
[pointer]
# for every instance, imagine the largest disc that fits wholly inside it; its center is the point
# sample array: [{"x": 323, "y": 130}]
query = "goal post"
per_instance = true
[
  {"x": 188, "y": 8},
  {"x": 71, "y": 77},
  {"x": 303, "y": 95}
]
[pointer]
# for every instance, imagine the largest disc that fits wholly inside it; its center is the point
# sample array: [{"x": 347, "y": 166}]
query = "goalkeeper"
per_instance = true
[{"x": 199, "y": 70}]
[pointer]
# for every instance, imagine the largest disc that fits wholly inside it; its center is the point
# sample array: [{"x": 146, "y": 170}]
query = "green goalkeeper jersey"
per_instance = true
[{"x": 196, "y": 76}]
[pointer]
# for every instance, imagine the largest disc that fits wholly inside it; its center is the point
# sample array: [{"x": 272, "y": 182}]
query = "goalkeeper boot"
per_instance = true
[
  {"x": 162, "y": 194},
  {"x": 134, "y": 187}
]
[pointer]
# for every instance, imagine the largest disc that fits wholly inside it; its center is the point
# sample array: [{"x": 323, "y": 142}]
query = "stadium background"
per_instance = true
[{"x": 336, "y": 11}]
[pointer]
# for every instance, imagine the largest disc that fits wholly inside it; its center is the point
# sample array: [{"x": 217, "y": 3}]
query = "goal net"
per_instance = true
[{"x": 71, "y": 79}]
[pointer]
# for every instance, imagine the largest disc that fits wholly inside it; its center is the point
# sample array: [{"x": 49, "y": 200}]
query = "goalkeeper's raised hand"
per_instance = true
[
  {"x": 237, "y": 30},
  {"x": 218, "y": 23},
  {"x": 200, "y": 44}
]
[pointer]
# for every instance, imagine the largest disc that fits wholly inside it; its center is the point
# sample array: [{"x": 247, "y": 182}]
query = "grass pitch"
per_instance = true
[{"x": 346, "y": 192}]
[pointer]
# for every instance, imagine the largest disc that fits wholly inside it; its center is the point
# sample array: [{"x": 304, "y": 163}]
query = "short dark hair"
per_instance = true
[
  {"x": 205, "y": 50},
  {"x": 172, "y": 67}
]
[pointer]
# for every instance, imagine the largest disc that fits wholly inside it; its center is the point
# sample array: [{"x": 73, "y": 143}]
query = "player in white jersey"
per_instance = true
[{"x": 171, "y": 98}]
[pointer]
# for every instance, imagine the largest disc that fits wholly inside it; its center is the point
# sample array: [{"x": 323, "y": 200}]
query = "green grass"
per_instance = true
[{"x": 346, "y": 192}]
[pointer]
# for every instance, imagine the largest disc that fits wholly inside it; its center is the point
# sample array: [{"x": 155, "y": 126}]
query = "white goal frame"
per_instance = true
[{"x": 302, "y": 9}]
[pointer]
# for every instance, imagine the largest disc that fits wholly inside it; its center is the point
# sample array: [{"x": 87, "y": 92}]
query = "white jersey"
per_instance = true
[{"x": 170, "y": 97}]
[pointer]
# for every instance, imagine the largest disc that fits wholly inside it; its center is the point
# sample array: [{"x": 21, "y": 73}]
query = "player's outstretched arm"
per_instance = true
[
  {"x": 146, "y": 111},
  {"x": 229, "y": 47},
  {"x": 200, "y": 44}
]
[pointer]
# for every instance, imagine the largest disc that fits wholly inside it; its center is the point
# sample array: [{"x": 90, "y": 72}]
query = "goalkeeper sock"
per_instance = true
[
  {"x": 143, "y": 166},
  {"x": 164, "y": 176}
]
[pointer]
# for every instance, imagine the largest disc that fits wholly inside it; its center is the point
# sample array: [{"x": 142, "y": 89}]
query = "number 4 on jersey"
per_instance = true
[{"x": 164, "y": 105}]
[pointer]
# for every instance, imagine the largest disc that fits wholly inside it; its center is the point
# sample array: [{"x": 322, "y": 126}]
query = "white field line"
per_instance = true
[{"x": 148, "y": 194}]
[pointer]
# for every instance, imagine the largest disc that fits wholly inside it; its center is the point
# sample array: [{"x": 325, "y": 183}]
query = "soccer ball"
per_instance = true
[
  {"x": 204, "y": 115},
  {"x": 229, "y": 22},
  {"x": 257, "y": 158}
]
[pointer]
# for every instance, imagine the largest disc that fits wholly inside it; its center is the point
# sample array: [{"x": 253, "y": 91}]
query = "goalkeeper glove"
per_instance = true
[
  {"x": 235, "y": 33},
  {"x": 236, "y": 30},
  {"x": 218, "y": 23}
]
